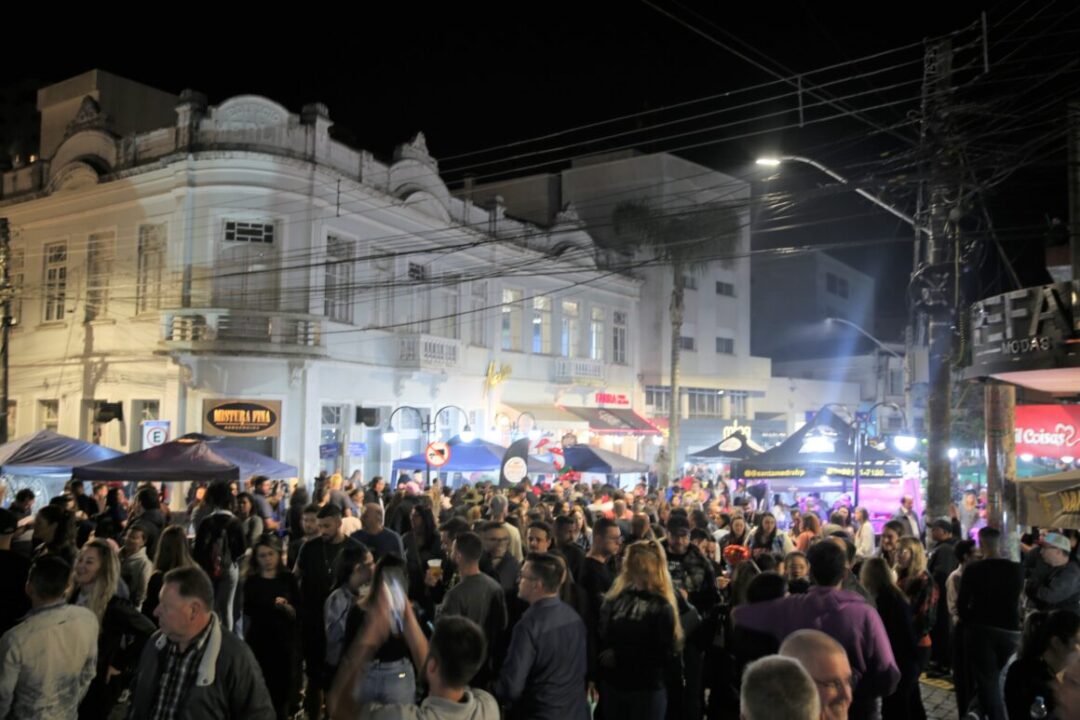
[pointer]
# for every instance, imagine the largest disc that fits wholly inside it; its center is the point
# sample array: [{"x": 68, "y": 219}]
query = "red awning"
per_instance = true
[{"x": 614, "y": 421}]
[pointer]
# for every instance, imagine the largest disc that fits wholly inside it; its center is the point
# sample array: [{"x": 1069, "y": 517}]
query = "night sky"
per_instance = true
[{"x": 477, "y": 75}]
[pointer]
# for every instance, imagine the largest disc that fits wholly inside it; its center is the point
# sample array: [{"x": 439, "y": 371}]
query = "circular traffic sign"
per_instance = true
[
  {"x": 438, "y": 454},
  {"x": 515, "y": 469}
]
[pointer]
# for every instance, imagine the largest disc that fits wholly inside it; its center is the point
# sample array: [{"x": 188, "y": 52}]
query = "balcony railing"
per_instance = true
[
  {"x": 235, "y": 330},
  {"x": 429, "y": 352},
  {"x": 580, "y": 371}
]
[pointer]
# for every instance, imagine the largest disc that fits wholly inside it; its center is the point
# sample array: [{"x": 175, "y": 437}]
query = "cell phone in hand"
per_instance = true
[{"x": 395, "y": 589}]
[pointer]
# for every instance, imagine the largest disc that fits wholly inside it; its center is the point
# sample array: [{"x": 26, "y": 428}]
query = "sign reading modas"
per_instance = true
[{"x": 242, "y": 418}]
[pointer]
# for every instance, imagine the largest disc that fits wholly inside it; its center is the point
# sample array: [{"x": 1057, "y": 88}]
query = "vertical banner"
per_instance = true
[{"x": 515, "y": 465}]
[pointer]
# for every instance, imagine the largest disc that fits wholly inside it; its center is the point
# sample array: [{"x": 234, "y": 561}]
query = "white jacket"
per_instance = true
[{"x": 47, "y": 662}]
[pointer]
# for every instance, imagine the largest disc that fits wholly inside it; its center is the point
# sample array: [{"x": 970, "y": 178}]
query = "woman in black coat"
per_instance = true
[
  {"x": 896, "y": 616},
  {"x": 123, "y": 629},
  {"x": 271, "y": 604}
]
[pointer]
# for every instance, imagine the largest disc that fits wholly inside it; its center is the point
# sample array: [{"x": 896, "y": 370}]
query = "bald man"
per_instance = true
[
  {"x": 380, "y": 539},
  {"x": 827, "y": 663}
]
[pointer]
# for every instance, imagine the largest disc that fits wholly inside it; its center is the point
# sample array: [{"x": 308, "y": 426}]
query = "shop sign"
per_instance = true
[
  {"x": 357, "y": 449},
  {"x": 242, "y": 418},
  {"x": 329, "y": 451},
  {"x": 1048, "y": 430},
  {"x": 735, "y": 427},
  {"x": 606, "y": 398}
]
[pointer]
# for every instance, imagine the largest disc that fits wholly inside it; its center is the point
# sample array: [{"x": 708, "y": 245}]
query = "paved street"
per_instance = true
[{"x": 938, "y": 699}]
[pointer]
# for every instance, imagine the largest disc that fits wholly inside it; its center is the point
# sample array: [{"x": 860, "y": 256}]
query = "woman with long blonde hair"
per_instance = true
[
  {"x": 123, "y": 629},
  {"x": 922, "y": 594},
  {"x": 640, "y": 635}
]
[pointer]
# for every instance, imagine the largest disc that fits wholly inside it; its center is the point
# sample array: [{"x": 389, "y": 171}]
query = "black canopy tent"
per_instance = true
[
  {"x": 819, "y": 456},
  {"x": 734, "y": 447},
  {"x": 186, "y": 459}
]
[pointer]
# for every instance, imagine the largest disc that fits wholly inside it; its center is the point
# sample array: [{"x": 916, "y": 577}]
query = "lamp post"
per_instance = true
[
  {"x": 905, "y": 442},
  {"x": 905, "y": 362},
  {"x": 427, "y": 424},
  {"x": 930, "y": 279},
  {"x": 534, "y": 432}
]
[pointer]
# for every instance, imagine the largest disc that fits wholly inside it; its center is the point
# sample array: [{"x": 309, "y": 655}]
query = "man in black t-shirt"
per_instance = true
[
  {"x": 316, "y": 569},
  {"x": 14, "y": 568},
  {"x": 989, "y": 609}
]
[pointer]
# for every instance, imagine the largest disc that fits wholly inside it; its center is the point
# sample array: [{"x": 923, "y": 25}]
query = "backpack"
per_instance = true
[{"x": 218, "y": 557}]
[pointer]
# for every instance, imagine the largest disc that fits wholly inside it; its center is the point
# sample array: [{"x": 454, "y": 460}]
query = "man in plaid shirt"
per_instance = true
[{"x": 193, "y": 667}]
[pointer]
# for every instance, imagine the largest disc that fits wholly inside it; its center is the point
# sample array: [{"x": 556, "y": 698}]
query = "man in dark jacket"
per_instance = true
[
  {"x": 193, "y": 668},
  {"x": 694, "y": 580},
  {"x": 940, "y": 565},
  {"x": 543, "y": 677}
]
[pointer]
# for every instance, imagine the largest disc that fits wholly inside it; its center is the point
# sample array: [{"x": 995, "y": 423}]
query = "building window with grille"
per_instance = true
[
  {"x": 100, "y": 251},
  {"x": 478, "y": 320},
  {"x": 726, "y": 289},
  {"x": 541, "y": 325},
  {"x": 689, "y": 282},
  {"x": 12, "y": 415},
  {"x": 596, "y": 333},
  {"x": 337, "y": 290},
  {"x": 658, "y": 398},
  {"x": 512, "y": 319},
  {"x": 739, "y": 403},
  {"x": 688, "y": 343},
  {"x": 618, "y": 337},
  {"x": 445, "y": 317},
  {"x": 248, "y": 273},
  {"x": 703, "y": 402},
  {"x": 725, "y": 346},
  {"x": 151, "y": 267},
  {"x": 55, "y": 281},
  {"x": 49, "y": 415},
  {"x": 836, "y": 285},
  {"x": 568, "y": 337},
  {"x": 382, "y": 271},
  {"x": 17, "y": 272}
]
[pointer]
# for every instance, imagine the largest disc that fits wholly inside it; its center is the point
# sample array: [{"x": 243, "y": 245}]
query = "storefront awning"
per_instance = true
[
  {"x": 547, "y": 416},
  {"x": 615, "y": 421}
]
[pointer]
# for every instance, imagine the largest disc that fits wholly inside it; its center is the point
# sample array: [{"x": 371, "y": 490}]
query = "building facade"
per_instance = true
[{"x": 235, "y": 271}]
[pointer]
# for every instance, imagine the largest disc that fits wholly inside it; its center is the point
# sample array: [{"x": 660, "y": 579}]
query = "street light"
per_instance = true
[
  {"x": 862, "y": 331},
  {"x": 534, "y": 432},
  {"x": 776, "y": 161},
  {"x": 427, "y": 424},
  {"x": 904, "y": 442}
]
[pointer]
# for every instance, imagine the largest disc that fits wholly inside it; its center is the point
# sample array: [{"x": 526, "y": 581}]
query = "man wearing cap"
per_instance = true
[
  {"x": 14, "y": 569},
  {"x": 1058, "y": 589},
  {"x": 940, "y": 564},
  {"x": 694, "y": 580}
]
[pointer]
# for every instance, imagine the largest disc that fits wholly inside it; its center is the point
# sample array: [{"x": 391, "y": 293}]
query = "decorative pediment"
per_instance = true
[
  {"x": 249, "y": 111},
  {"x": 88, "y": 117},
  {"x": 415, "y": 149}
]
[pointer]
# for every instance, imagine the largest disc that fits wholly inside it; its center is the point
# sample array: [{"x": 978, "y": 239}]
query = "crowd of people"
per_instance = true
[{"x": 561, "y": 602}]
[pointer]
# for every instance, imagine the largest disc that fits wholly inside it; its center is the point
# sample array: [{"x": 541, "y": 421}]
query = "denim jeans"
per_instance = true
[
  {"x": 224, "y": 592},
  {"x": 389, "y": 683},
  {"x": 987, "y": 650},
  {"x": 639, "y": 705}
]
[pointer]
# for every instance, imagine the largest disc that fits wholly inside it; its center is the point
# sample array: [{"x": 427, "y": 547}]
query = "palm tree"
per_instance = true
[{"x": 686, "y": 240}]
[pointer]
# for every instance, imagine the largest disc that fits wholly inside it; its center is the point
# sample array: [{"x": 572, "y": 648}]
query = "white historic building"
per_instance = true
[{"x": 171, "y": 255}]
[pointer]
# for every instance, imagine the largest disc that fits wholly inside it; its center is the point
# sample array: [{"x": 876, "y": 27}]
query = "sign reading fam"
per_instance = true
[{"x": 242, "y": 418}]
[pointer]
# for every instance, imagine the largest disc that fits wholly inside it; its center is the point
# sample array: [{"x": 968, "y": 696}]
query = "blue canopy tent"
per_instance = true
[
  {"x": 176, "y": 461},
  {"x": 43, "y": 462},
  {"x": 49, "y": 453},
  {"x": 475, "y": 456},
  {"x": 588, "y": 459},
  {"x": 250, "y": 463}
]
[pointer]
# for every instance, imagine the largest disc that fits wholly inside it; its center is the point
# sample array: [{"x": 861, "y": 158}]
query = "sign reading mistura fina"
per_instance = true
[{"x": 242, "y": 418}]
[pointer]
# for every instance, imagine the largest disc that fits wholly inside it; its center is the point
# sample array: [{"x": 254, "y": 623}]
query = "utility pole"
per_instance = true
[
  {"x": 1000, "y": 408},
  {"x": 933, "y": 280},
  {"x": 6, "y": 292}
]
